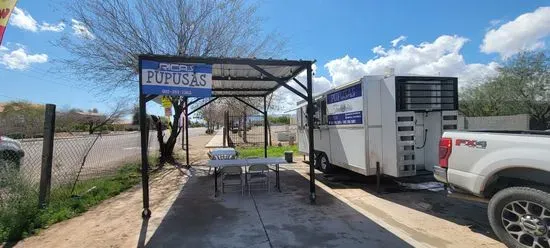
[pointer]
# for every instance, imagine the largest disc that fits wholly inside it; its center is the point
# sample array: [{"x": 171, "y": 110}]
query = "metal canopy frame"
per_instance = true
[{"x": 250, "y": 77}]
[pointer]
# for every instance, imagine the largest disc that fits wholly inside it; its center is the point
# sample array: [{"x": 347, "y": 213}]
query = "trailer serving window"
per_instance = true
[
  {"x": 322, "y": 106},
  {"x": 301, "y": 117},
  {"x": 426, "y": 93},
  {"x": 320, "y": 117}
]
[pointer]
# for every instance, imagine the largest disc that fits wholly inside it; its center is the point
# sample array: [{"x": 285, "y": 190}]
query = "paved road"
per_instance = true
[{"x": 107, "y": 151}]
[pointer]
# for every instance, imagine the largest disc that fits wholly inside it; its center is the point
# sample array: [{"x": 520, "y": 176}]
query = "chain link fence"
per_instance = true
[
  {"x": 18, "y": 179},
  {"x": 77, "y": 157},
  {"x": 246, "y": 130}
]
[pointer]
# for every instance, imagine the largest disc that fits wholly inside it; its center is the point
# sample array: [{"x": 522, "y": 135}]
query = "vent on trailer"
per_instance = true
[
  {"x": 426, "y": 93},
  {"x": 405, "y": 144},
  {"x": 449, "y": 120}
]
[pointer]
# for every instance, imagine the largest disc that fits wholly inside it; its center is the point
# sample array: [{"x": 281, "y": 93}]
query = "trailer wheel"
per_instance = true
[
  {"x": 323, "y": 164},
  {"x": 316, "y": 160}
]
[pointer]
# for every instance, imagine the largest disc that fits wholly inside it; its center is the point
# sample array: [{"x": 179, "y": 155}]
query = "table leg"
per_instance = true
[
  {"x": 215, "y": 181},
  {"x": 278, "y": 177},
  {"x": 245, "y": 176}
]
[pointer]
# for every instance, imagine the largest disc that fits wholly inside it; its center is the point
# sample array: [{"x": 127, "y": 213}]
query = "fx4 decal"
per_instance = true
[{"x": 471, "y": 143}]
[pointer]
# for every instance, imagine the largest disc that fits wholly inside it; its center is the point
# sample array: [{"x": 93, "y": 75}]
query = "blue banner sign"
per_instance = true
[
  {"x": 345, "y": 107},
  {"x": 160, "y": 78}
]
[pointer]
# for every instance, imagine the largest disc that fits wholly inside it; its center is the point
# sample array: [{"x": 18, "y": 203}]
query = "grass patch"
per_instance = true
[
  {"x": 89, "y": 193},
  {"x": 20, "y": 217},
  {"x": 272, "y": 151}
]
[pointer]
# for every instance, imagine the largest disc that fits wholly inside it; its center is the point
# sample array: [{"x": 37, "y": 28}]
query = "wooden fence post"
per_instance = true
[{"x": 47, "y": 155}]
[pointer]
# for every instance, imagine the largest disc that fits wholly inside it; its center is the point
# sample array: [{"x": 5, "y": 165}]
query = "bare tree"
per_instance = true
[
  {"x": 212, "y": 114},
  {"x": 93, "y": 120},
  {"x": 243, "y": 111},
  {"x": 115, "y": 32},
  {"x": 96, "y": 121}
]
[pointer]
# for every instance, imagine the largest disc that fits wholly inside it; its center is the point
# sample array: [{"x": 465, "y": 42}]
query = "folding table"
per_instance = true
[{"x": 246, "y": 162}]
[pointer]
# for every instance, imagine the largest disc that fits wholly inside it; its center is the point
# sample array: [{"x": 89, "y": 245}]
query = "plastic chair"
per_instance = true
[
  {"x": 232, "y": 176},
  {"x": 257, "y": 174}
]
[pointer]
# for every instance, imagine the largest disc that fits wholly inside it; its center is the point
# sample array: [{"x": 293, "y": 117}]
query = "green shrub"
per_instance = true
[{"x": 19, "y": 212}]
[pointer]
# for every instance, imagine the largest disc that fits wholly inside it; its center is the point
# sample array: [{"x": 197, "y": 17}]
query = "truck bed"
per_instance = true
[{"x": 533, "y": 132}]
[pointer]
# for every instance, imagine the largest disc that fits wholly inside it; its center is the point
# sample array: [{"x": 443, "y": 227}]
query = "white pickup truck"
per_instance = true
[{"x": 510, "y": 170}]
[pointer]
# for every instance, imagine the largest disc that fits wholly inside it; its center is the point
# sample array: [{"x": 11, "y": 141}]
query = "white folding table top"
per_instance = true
[
  {"x": 223, "y": 151},
  {"x": 245, "y": 162},
  {"x": 266, "y": 161},
  {"x": 227, "y": 162}
]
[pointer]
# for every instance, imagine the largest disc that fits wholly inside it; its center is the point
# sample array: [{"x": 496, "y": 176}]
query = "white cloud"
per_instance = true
[
  {"x": 52, "y": 27},
  {"x": 19, "y": 59},
  {"x": 399, "y": 39},
  {"x": 440, "y": 57},
  {"x": 526, "y": 32},
  {"x": 288, "y": 100},
  {"x": 22, "y": 19},
  {"x": 80, "y": 30},
  {"x": 345, "y": 69},
  {"x": 378, "y": 50},
  {"x": 495, "y": 22}
]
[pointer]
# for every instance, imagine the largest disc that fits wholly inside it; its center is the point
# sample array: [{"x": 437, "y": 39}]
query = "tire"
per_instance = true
[
  {"x": 315, "y": 159},
  {"x": 323, "y": 164},
  {"x": 520, "y": 217}
]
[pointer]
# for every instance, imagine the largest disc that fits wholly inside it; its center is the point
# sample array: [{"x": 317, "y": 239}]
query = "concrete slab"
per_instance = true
[
  {"x": 216, "y": 141},
  {"x": 197, "y": 219}
]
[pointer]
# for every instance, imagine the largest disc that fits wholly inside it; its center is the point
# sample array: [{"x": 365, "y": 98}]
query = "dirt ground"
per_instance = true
[
  {"x": 427, "y": 217},
  {"x": 117, "y": 222}
]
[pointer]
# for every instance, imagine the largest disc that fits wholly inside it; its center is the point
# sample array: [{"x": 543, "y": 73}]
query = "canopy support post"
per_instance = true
[
  {"x": 250, "y": 105},
  {"x": 202, "y": 106},
  {"x": 299, "y": 83},
  {"x": 277, "y": 80},
  {"x": 265, "y": 126},
  {"x": 146, "y": 213},
  {"x": 187, "y": 132},
  {"x": 310, "y": 113}
]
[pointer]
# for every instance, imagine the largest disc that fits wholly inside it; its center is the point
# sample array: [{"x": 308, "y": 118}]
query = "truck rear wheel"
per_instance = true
[
  {"x": 323, "y": 163},
  {"x": 520, "y": 217}
]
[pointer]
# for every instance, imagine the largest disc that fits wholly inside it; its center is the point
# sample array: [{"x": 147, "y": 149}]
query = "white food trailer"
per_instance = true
[{"x": 394, "y": 120}]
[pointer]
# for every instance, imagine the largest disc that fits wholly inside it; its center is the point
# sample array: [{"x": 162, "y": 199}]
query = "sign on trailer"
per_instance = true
[
  {"x": 345, "y": 107},
  {"x": 160, "y": 78}
]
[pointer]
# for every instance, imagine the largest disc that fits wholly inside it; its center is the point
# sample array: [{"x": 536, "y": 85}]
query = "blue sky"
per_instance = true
[
  {"x": 326, "y": 30},
  {"x": 347, "y": 38}
]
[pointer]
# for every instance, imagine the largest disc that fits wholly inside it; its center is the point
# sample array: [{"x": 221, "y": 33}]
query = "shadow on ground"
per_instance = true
[
  {"x": 265, "y": 219},
  {"x": 465, "y": 213}
]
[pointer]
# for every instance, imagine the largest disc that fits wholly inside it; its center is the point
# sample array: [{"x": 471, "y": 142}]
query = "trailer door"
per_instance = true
[
  {"x": 321, "y": 135},
  {"x": 302, "y": 135}
]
